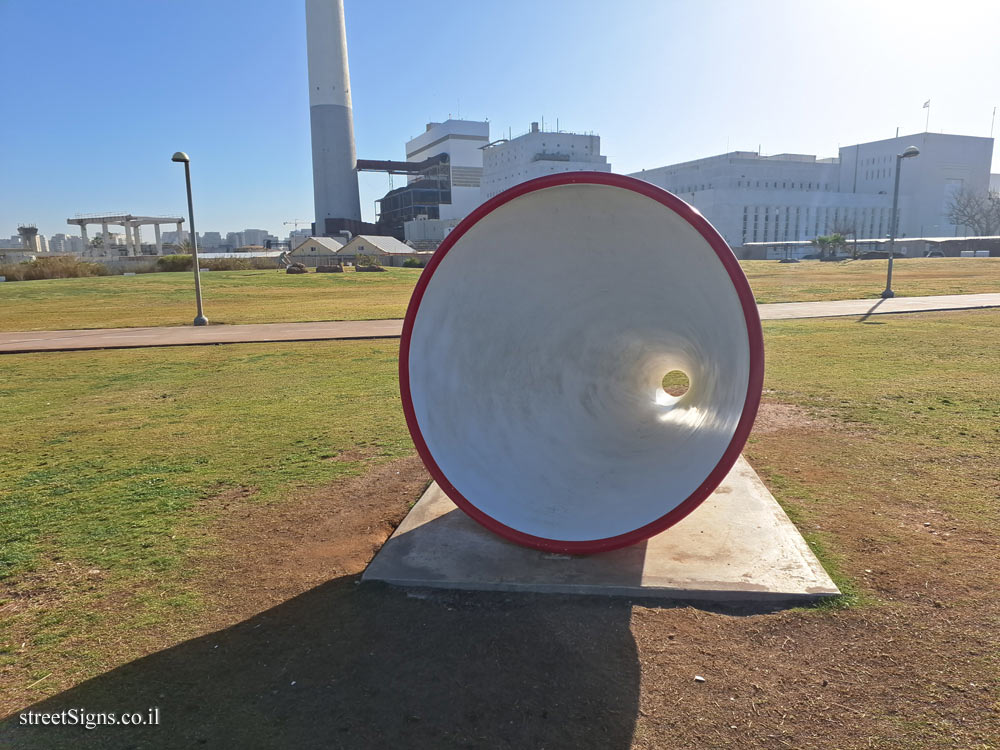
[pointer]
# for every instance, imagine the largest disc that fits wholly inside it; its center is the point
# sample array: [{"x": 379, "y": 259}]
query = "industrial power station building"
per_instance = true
[
  {"x": 537, "y": 153},
  {"x": 464, "y": 169},
  {"x": 447, "y": 187},
  {"x": 797, "y": 197}
]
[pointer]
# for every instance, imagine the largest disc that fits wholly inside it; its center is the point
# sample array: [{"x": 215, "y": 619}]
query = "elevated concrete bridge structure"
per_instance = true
[{"x": 133, "y": 239}]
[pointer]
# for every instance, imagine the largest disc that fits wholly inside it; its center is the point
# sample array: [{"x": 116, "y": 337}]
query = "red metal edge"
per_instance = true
[{"x": 754, "y": 385}]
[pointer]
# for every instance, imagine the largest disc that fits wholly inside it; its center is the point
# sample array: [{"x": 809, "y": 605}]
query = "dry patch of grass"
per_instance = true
[{"x": 812, "y": 280}]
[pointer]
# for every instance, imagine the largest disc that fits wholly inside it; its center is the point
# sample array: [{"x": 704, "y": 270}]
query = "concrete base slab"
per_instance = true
[{"x": 737, "y": 546}]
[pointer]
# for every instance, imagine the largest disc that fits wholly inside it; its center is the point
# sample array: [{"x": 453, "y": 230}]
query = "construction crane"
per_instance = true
[{"x": 295, "y": 223}]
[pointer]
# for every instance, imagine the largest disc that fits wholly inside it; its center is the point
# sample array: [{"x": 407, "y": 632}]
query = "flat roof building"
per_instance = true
[
  {"x": 538, "y": 152},
  {"x": 446, "y": 187},
  {"x": 795, "y": 197}
]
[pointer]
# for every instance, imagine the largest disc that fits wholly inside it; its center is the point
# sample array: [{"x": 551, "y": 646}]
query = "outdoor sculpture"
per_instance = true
[{"x": 535, "y": 346}]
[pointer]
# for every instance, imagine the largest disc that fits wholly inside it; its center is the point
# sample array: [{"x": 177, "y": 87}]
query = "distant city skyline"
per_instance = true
[{"x": 661, "y": 82}]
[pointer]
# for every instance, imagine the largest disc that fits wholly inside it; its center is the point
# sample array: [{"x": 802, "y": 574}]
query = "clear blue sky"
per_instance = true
[{"x": 97, "y": 95}]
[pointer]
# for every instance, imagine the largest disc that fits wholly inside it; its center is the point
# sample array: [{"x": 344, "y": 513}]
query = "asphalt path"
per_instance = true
[{"x": 14, "y": 342}]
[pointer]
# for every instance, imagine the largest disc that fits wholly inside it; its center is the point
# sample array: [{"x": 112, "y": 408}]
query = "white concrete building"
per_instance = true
[
  {"x": 536, "y": 153},
  {"x": 175, "y": 238},
  {"x": 946, "y": 165},
  {"x": 796, "y": 197},
  {"x": 462, "y": 141},
  {"x": 443, "y": 194},
  {"x": 210, "y": 240},
  {"x": 255, "y": 236},
  {"x": 297, "y": 237},
  {"x": 66, "y": 243}
]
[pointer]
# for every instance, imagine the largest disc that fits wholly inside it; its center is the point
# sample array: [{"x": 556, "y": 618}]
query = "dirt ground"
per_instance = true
[{"x": 294, "y": 652}]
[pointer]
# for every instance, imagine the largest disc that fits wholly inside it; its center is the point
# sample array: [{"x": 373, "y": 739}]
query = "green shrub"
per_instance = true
[
  {"x": 174, "y": 263},
  {"x": 229, "y": 264},
  {"x": 64, "y": 267},
  {"x": 184, "y": 263},
  {"x": 413, "y": 263}
]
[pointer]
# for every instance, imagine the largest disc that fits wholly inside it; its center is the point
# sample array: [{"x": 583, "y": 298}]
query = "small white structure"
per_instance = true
[
  {"x": 388, "y": 250},
  {"x": 537, "y": 153},
  {"x": 423, "y": 232},
  {"x": 317, "y": 251}
]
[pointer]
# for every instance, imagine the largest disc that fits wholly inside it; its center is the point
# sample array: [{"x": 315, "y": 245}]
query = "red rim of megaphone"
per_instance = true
[{"x": 754, "y": 384}]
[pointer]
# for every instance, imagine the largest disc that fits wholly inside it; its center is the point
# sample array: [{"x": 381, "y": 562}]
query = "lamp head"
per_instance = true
[
  {"x": 180, "y": 156},
  {"x": 910, "y": 151}
]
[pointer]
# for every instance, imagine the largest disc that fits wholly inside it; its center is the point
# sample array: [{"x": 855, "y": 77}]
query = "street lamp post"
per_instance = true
[
  {"x": 894, "y": 218},
  {"x": 200, "y": 319}
]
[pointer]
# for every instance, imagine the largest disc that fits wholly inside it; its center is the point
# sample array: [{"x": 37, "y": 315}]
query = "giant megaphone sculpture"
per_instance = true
[{"x": 534, "y": 350}]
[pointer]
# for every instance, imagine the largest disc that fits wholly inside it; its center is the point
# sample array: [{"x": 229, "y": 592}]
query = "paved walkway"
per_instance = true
[
  {"x": 129, "y": 338},
  {"x": 785, "y": 310}
]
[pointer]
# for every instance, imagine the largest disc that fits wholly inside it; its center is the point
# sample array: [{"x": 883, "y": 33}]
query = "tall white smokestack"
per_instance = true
[{"x": 335, "y": 181}]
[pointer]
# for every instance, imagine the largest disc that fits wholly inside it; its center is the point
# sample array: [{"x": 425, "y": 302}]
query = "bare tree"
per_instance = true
[{"x": 979, "y": 212}]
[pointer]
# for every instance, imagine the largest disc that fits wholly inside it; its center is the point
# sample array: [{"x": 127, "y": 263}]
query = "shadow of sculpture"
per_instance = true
[
  {"x": 349, "y": 666},
  {"x": 439, "y": 545}
]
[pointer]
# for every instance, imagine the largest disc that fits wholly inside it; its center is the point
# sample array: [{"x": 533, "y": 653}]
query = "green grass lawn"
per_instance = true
[
  {"x": 117, "y": 462},
  {"x": 110, "y": 450},
  {"x": 167, "y": 299},
  {"x": 112, "y": 454},
  {"x": 109, "y": 457},
  {"x": 908, "y": 429}
]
